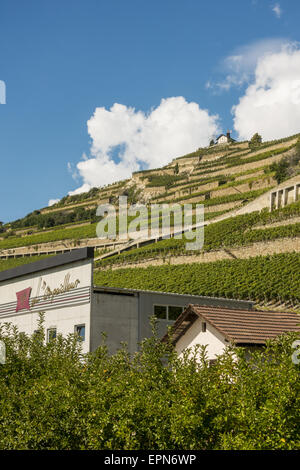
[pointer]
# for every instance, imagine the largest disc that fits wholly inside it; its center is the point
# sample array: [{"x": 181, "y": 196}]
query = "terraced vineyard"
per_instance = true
[
  {"x": 234, "y": 231},
  {"x": 69, "y": 233},
  {"x": 14, "y": 262},
  {"x": 226, "y": 180},
  {"x": 259, "y": 279},
  {"x": 77, "y": 233}
]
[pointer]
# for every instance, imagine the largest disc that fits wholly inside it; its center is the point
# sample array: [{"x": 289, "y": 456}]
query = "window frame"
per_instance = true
[
  {"x": 80, "y": 325},
  {"x": 51, "y": 328},
  {"x": 177, "y": 306},
  {"x": 160, "y": 305},
  {"x": 167, "y": 310}
]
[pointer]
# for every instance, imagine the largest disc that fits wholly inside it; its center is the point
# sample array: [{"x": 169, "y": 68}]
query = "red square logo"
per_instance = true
[{"x": 23, "y": 299}]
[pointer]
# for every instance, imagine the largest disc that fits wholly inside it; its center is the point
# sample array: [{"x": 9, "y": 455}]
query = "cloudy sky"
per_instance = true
[{"x": 98, "y": 89}]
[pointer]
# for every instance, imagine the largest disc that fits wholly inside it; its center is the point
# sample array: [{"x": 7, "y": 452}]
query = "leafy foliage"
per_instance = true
[
  {"x": 54, "y": 219},
  {"x": 132, "y": 194},
  {"x": 53, "y": 398},
  {"x": 255, "y": 141},
  {"x": 287, "y": 166},
  {"x": 280, "y": 169}
]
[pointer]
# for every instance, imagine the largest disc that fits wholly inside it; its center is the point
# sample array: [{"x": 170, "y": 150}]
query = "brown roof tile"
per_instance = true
[{"x": 238, "y": 326}]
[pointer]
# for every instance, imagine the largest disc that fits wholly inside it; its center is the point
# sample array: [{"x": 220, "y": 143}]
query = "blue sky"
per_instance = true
[{"x": 60, "y": 60}]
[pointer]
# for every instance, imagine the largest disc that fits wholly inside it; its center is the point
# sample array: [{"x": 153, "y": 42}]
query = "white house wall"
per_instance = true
[
  {"x": 223, "y": 140},
  {"x": 211, "y": 337}
]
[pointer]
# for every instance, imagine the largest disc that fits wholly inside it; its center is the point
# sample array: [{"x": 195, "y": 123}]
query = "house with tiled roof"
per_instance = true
[
  {"x": 224, "y": 139},
  {"x": 217, "y": 327}
]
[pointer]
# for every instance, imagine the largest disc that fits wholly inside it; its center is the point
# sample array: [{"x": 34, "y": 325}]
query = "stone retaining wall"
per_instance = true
[{"x": 283, "y": 245}]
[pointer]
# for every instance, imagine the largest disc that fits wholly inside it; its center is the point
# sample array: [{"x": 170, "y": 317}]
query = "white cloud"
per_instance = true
[
  {"x": 126, "y": 140},
  {"x": 277, "y": 10},
  {"x": 239, "y": 67},
  {"x": 52, "y": 202},
  {"x": 83, "y": 189},
  {"x": 73, "y": 171},
  {"x": 271, "y": 105}
]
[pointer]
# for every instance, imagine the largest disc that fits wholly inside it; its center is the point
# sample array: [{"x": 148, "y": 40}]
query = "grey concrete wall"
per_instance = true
[
  {"x": 126, "y": 317},
  {"x": 117, "y": 316},
  {"x": 148, "y": 300}
]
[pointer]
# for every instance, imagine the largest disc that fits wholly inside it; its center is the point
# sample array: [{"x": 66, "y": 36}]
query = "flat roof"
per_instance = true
[
  {"x": 123, "y": 290},
  {"x": 47, "y": 263}
]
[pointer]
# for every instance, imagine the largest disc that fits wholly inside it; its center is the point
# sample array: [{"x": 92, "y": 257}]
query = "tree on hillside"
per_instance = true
[
  {"x": 295, "y": 159},
  {"x": 176, "y": 169},
  {"x": 255, "y": 141},
  {"x": 211, "y": 143},
  {"x": 280, "y": 169}
]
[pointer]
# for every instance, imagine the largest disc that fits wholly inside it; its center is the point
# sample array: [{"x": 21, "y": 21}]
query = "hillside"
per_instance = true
[{"x": 242, "y": 236}]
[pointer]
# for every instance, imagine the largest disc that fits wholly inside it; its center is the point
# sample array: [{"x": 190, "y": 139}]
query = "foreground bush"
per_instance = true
[{"x": 51, "y": 397}]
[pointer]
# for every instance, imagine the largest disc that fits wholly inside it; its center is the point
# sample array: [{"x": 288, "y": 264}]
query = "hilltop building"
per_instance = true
[{"x": 224, "y": 139}]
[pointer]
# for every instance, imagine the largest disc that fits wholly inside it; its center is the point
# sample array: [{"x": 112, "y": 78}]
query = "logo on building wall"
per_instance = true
[{"x": 23, "y": 297}]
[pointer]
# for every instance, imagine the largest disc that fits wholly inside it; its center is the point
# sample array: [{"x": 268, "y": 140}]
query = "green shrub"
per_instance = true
[
  {"x": 53, "y": 398},
  {"x": 280, "y": 169},
  {"x": 255, "y": 141}
]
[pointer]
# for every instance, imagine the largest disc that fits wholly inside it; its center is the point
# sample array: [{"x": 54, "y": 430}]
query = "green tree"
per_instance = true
[
  {"x": 255, "y": 141},
  {"x": 280, "y": 169},
  {"x": 295, "y": 159}
]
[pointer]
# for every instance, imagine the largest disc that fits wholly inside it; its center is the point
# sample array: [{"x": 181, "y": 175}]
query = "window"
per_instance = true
[
  {"x": 80, "y": 331},
  {"x": 174, "y": 312},
  {"x": 160, "y": 311},
  {"x": 51, "y": 334},
  {"x": 203, "y": 327},
  {"x": 167, "y": 312}
]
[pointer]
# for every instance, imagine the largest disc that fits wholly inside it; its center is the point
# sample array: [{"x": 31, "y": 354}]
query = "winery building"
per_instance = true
[{"x": 62, "y": 287}]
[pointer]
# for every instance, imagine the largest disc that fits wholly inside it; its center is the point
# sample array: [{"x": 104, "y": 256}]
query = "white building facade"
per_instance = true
[
  {"x": 59, "y": 286},
  {"x": 224, "y": 139}
]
